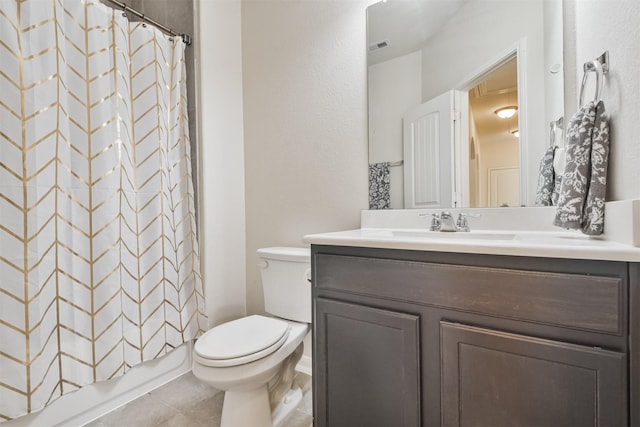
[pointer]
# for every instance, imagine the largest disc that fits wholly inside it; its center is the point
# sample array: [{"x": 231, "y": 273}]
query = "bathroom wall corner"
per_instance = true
[{"x": 221, "y": 163}]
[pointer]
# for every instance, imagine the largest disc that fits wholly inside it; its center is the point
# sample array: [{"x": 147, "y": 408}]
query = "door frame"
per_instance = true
[{"x": 518, "y": 49}]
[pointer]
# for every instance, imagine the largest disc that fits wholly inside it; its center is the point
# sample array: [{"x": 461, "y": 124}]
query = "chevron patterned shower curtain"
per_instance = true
[{"x": 99, "y": 266}]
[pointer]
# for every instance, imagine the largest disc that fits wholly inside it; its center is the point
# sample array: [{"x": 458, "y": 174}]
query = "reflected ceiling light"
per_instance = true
[
  {"x": 516, "y": 133},
  {"x": 506, "y": 112}
]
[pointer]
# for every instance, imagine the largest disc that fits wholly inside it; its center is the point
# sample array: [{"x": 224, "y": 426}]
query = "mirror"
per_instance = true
[{"x": 439, "y": 72}]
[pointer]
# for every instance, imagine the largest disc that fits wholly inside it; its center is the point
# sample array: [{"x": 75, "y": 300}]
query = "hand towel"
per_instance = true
[
  {"x": 583, "y": 188},
  {"x": 557, "y": 184},
  {"x": 546, "y": 179},
  {"x": 379, "y": 187},
  {"x": 593, "y": 221}
]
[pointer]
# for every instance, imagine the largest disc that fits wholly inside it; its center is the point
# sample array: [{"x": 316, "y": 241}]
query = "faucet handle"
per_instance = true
[
  {"x": 462, "y": 224},
  {"x": 435, "y": 221}
]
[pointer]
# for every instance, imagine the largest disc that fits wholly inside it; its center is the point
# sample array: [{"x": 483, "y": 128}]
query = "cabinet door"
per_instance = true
[
  {"x": 366, "y": 366},
  {"x": 492, "y": 378}
]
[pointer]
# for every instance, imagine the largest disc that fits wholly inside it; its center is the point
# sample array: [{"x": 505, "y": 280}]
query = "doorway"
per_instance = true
[{"x": 494, "y": 134}]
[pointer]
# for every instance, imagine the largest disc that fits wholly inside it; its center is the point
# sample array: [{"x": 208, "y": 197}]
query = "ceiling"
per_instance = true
[
  {"x": 406, "y": 25},
  {"x": 497, "y": 89}
]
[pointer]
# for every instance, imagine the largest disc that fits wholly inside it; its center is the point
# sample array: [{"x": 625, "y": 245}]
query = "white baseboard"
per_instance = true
[{"x": 304, "y": 365}]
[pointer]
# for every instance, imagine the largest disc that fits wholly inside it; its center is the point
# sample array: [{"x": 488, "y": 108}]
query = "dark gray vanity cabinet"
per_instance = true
[
  {"x": 411, "y": 338},
  {"x": 373, "y": 386},
  {"x": 491, "y": 378}
]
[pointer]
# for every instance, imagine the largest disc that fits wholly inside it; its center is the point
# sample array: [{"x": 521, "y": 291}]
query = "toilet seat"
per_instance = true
[{"x": 241, "y": 341}]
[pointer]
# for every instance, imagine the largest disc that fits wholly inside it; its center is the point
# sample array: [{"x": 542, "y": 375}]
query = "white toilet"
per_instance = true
[{"x": 253, "y": 358}]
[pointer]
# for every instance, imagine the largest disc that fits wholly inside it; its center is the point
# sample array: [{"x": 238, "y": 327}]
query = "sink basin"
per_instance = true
[{"x": 440, "y": 235}]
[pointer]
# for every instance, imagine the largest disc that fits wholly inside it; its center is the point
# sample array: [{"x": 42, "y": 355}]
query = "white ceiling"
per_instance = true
[
  {"x": 406, "y": 25},
  {"x": 497, "y": 89}
]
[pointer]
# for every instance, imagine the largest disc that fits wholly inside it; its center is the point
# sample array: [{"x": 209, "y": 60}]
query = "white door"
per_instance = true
[
  {"x": 431, "y": 132},
  {"x": 504, "y": 187}
]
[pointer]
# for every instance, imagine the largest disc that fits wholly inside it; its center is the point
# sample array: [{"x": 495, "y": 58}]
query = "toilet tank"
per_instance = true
[{"x": 285, "y": 281}]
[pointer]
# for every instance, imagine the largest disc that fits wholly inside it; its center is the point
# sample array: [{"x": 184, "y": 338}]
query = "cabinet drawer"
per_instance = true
[{"x": 580, "y": 301}]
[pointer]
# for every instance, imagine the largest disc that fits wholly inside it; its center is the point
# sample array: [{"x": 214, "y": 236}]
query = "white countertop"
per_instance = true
[
  {"x": 499, "y": 231},
  {"x": 566, "y": 244}
]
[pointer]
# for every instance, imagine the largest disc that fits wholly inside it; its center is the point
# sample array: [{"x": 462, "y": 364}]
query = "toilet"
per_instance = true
[{"x": 253, "y": 359}]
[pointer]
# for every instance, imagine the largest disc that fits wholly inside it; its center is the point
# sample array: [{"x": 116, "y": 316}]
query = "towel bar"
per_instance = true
[{"x": 600, "y": 66}]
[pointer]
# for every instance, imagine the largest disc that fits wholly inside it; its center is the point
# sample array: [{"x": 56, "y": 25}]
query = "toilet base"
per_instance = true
[
  {"x": 246, "y": 408},
  {"x": 251, "y": 408}
]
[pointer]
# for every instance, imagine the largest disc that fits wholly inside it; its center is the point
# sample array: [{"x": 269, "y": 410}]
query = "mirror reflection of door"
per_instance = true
[
  {"x": 430, "y": 135},
  {"x": 434, "y": 138},
  {"x": 493, "y": 140},
  {"x": 503, "y": 187}
]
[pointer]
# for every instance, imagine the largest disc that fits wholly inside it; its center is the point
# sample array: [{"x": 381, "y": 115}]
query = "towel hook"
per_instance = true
[{"x": 601, "y": 67}]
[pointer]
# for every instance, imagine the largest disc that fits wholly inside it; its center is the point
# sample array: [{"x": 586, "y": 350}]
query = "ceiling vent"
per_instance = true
[{"x": 377, "y": 46}]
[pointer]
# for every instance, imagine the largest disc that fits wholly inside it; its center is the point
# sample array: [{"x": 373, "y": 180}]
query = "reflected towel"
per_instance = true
[
  {"x": 550, "y": 177},
  {"x": 558, "y": 170},
  {"x": 379, "y": 187},
  {"x": 584, "y": 183},
  {"x": 546, "y": 179},
  {"x": 557, "y": 184}
]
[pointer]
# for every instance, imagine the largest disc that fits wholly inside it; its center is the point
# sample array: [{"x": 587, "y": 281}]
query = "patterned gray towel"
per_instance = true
[
  {"x": 546, "y": 179},
  {"x": 379, "y": 186},
  {"x": 584, "y": 183},
  {"x": 557, "y": 184}
]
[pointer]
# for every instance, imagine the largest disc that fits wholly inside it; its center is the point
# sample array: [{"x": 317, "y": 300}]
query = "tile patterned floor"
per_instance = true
[{"x": 187, "y": 402}]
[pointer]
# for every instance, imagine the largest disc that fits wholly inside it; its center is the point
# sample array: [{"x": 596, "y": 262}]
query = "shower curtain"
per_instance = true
[{"x": 99, "y": 266}]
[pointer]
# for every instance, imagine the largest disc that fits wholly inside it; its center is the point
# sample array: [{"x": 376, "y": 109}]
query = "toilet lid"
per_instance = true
[{"x": 241, "y": 341}]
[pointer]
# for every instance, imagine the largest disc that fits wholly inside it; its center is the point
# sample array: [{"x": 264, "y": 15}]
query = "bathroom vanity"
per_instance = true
[{"x": 480, "y": 332}]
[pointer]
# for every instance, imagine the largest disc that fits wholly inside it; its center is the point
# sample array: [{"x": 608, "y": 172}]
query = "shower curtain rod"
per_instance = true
[{"x": 186, "y": 38}]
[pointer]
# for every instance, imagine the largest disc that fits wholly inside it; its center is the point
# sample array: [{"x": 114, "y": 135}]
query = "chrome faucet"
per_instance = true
[
  {"x": 443, "y": 221},
  {"x": 446, "y": 222}
]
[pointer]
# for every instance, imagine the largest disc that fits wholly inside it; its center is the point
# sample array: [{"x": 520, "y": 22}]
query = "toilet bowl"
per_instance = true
[{"x": 253, "y": 359}]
